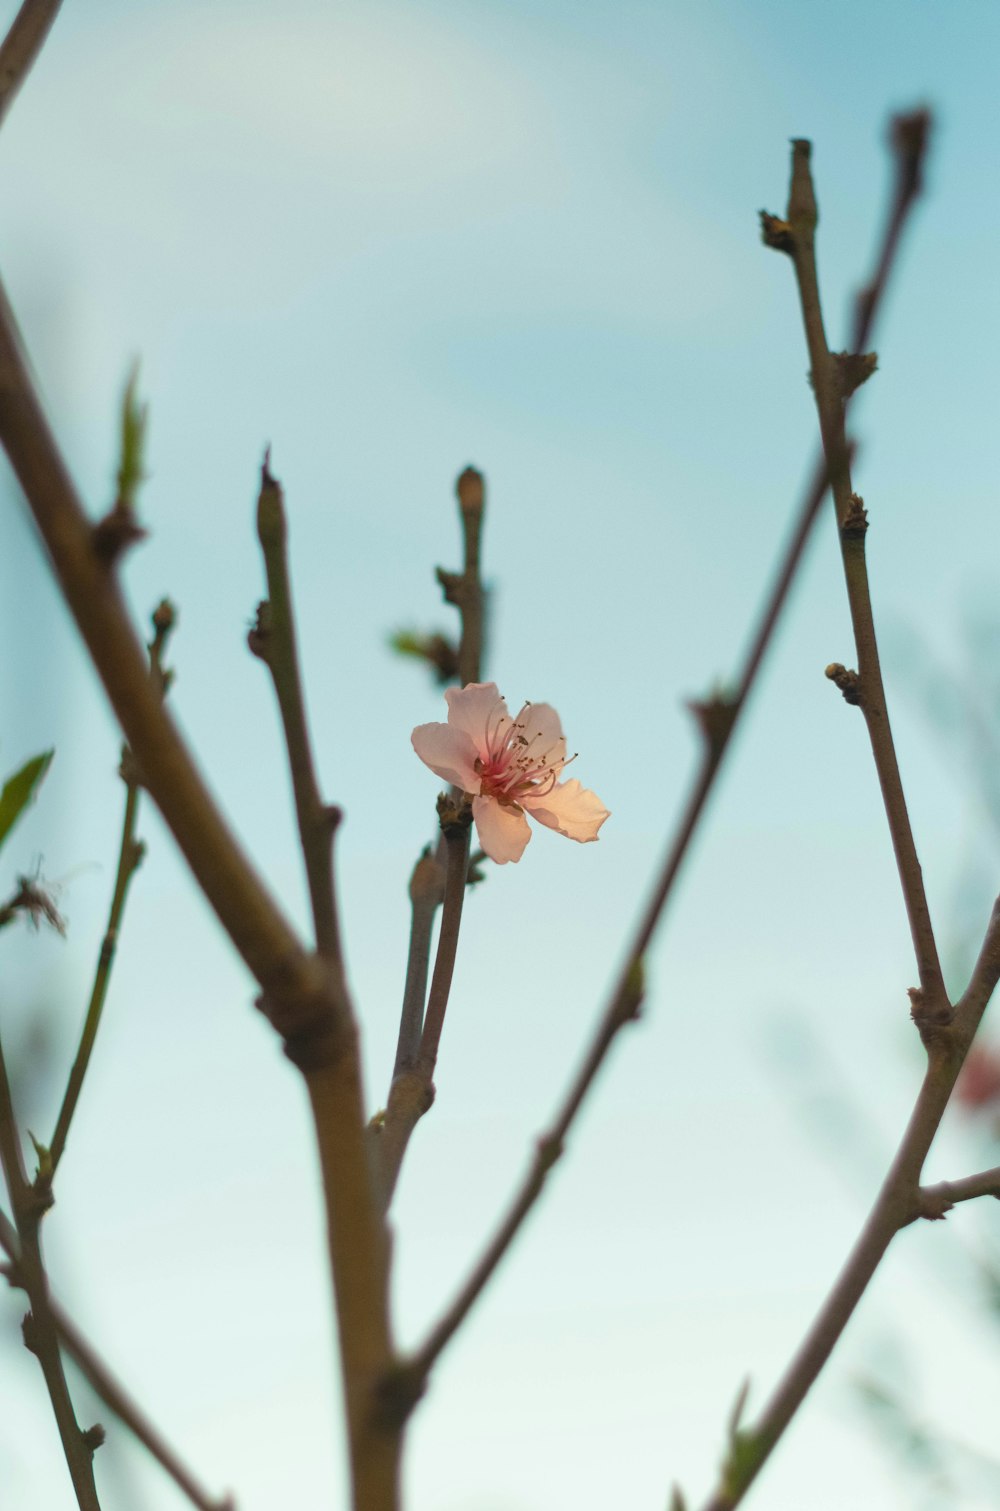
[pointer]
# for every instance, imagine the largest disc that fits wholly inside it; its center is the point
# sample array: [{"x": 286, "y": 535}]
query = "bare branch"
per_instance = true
[
  {"x": 130, "y": 854},
  {"x": 833, "y": 381},
  {"x": 22, "y": 45},
  {"x": 104, "y": 1384},
  {"x": 300, "y": 998},
  {"x": 40, "y": 1335},
  {"x": 274, "y": 641},
  {"x": 937, "y": 1201}
]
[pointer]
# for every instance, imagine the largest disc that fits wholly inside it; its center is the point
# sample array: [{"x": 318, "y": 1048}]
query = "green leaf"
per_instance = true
[{"x": 19, "y": 790}]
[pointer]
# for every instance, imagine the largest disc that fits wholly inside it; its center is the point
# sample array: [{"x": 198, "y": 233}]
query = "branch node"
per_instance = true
[
  {"x": 398, "y": 1392},
  {"x": 715, "y": 717},
  {"x": 454, "y": 814},
  {"x": 848, "y": 682},
  {"x": 549, "y": 1149},
  {"x": 932, "y": 1021},
  {"x": 776, "y": 233},
  {"x": 259, "y": 634},
  {"x": 852, "y": 369},
  {"x": 451, "y": 585},
  {"x": 94, "y": 1438},
  {"x": 303, "y": 1010},
  {"x": 855, "y": 522},
  {"x": 29, "y": 1332},
  {"x": 934, "y": 1202},
  {"x": 116, "y": 533}
]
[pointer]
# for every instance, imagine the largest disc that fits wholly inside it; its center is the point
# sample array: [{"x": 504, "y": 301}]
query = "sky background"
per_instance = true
[{"x": 391, "y": 240}]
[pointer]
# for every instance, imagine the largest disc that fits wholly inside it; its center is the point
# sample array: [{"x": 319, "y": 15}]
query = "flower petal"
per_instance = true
[
  {"x": 449, "y": 753},
  {"x": 570, "y": 809},
  {"x": 502, "y": 828},
  {"x": 473, "y": 709},
  {"x": 543, "y": 731}
]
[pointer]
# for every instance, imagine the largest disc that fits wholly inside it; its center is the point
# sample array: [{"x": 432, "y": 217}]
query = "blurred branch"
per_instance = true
[
  {"x": 302, "y": 995},
  {"x": 101, "y": 1380},
  {"x": 298, "y": 989},
  {"x": 40, "y": 1335},
  {"x": 130, "y": 854},
  {"x": 22, "y": 45},
  {"x": 274, "y": 641}
]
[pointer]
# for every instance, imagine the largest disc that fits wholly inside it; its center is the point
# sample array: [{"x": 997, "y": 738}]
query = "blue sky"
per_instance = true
[{"x": 390, "y": 240}]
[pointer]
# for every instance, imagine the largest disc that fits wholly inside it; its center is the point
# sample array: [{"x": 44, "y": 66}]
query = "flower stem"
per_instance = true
[{"x": 412, "y": 1091}]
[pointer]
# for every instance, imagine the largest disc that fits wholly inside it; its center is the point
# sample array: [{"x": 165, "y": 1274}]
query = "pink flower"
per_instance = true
[{"x": 510, "y": 767}]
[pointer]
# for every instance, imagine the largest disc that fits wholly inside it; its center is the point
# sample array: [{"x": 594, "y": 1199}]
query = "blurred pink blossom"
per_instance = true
[
  {"x": 978, "y": 1085},
  {"x": 509, "y": 767}
]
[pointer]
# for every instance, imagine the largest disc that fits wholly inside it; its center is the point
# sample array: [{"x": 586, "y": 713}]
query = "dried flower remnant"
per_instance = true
[{"x": 509, "y": 767}]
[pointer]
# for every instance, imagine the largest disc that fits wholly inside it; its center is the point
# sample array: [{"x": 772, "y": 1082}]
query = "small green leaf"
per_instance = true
[
  {"x": 747, "y": 1451},
  {"x": 133, "y": 440},
  {"x": 19, "y": 790},
  {"x": 44, "y": 1174}
]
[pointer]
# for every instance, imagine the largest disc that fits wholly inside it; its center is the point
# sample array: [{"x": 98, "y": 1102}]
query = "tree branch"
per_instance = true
[
  {"x": 718, "y": 718},
  {"x": 104, "y": 1384},
  {"x": 303, "y": 995},
  {"x": 833, "y": 380},
  {"x": 130, "y": 854},
  {"x": 412, "y": 1091},
  {"x": 40, "y": 1334},
  {"x": 465, "y": 589},
  {"x": 936, "y": 1201},
  {"x": 274, "y": 640},
  {"x": 22, "y": 45},
  {"x": 298, "y": 989}
]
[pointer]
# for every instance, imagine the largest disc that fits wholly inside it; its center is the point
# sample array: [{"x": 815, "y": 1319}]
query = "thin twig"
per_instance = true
[
  {"x": 426, "y": 896},
  {"x": 718, "y": 719},
  {"x": 22, "y": 45},
  {"x": 297, "y": 988},
  {"x": 465, "y": 589},
  {"x": 548, "y": 1150},
  {"x": 899, "y": 1202},
  {"x": 832, "y": 382},
  {"x": 40, "y": 1334},
  {"x": 302, "y": 995},
  {"x": 946, "y": 1033},
  {"x": 130, "y": 854},
  {"x": 274, "y": 641},
  {"x": 937, "y": 1200},
  {"x": 412, "y": 1091},
  {"x": 104, "y": 1384}
]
